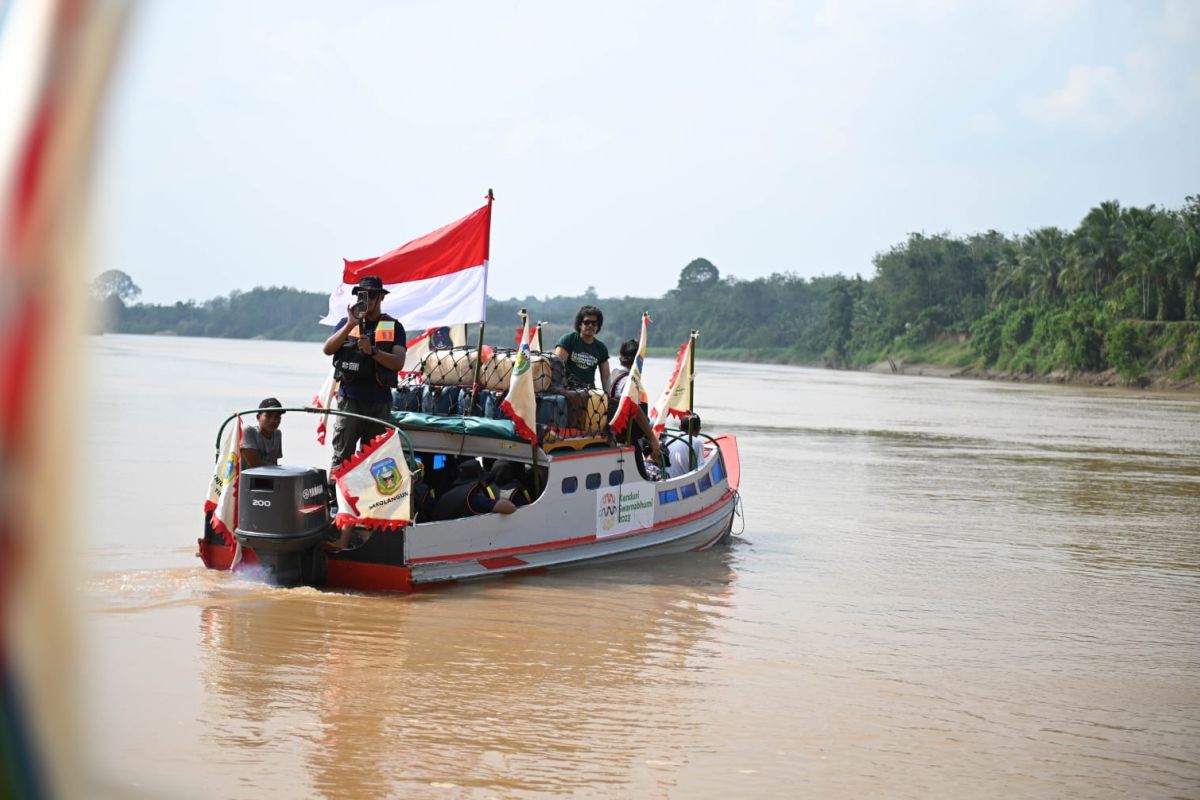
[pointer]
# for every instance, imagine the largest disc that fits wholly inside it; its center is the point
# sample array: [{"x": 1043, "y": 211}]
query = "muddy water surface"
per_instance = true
[{"x": 943, "y": 588}]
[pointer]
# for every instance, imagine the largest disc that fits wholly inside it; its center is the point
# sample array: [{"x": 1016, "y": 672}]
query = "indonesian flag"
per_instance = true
[
  {"x": 439, "y": 279},
  {"x": 676, "y": 399},
  {"x": 324, "y": 399},
  {"x": 521, "y": 404},
  {"x": 632, "y": 392},
  {"x": 374, "y": 488},
  {"x": 222, "y": 489}
]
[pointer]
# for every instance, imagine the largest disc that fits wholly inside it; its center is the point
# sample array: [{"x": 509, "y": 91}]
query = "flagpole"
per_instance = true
[
  {"x": 628, "y": 426},
  {"x": 537, "y": 482},
  {"x": 691, "y": 394},
  {"x": 478, "y": 367},
  {"x": 487, "y": 249}
]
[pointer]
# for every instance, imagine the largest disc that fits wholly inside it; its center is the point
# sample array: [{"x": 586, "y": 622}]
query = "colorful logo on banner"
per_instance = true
[
  {"x": 387, "y": 475},
  {"x": 607, "y": 511}
]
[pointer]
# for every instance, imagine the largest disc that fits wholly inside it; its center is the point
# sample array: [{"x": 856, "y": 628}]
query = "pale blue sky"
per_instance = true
[{"x": 259, "y": 143}]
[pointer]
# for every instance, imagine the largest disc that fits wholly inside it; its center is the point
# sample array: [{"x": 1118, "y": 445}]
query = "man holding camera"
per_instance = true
[{"x": 368, "y": 350}]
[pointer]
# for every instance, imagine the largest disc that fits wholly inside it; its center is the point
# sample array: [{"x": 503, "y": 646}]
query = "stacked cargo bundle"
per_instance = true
[{"x": 447, "y": 375}]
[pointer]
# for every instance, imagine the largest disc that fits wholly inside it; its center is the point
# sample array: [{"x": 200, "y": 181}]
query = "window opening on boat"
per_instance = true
[
  {"x": 688, "y": 490},
  {"x": 616, "y": 477},
  {"x": 570, "y": 484},
  {"x": 668, "y": 496},
  {"x": 592, "y": 481},
  {"x": 718, "y": 471},
  {"x": 705, "y": 483}
]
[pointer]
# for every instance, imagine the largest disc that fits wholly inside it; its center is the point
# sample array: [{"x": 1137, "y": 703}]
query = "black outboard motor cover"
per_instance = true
[{"x": 283, "y": 513}]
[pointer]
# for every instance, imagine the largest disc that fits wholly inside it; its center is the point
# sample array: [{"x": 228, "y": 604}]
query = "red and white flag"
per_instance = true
[
  {"x": 632, "y": 392},
  {"x": 521, "y": 402},
  {"x": 222, "y": 489},
  {"x": 676, "y": 399},
  {"x": 374, "y": 488},
  {"x": 439, "y": 279}
]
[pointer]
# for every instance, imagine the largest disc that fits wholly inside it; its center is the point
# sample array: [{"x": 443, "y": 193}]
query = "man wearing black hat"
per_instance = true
[
  {"x": 262, "y": 445},
  {"x": 368, "y": 350}
]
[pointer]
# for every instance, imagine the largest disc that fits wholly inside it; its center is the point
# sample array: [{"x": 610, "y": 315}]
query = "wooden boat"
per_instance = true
[{"x": 593, "y": 506}]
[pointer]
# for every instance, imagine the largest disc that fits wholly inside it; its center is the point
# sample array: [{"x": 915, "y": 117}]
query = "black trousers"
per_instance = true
[{"x": 349, "y": 432}]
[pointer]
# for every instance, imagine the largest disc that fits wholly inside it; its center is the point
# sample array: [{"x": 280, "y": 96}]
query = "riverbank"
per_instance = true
[
  {"x": 948, "y": 359},
  {"x": 1108, "y": 378}
]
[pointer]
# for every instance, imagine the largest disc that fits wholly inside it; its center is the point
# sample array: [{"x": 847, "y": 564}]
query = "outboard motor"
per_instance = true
[{"x": 283, "y": 513}]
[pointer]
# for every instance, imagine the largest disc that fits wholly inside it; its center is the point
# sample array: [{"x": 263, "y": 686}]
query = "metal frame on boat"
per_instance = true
[{"x": 594, "y": 507}]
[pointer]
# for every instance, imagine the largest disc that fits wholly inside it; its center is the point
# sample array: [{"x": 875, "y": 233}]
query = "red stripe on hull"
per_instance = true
[{"x": 501, "y": 563}]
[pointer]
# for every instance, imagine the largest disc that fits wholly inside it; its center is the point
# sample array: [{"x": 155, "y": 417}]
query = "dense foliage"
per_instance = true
[{"x": 1121, "y": 291}]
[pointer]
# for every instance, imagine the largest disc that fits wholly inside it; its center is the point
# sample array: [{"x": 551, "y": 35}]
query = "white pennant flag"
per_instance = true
[
  {"x": 222, "y": 489},
  {"x": 374, "y": 488},
  {"x": 521, "y": 402},
  {"x": 676, "y": 399},
  {"x": 324, "y": 399},
  {"x": 632, "y": 393}
]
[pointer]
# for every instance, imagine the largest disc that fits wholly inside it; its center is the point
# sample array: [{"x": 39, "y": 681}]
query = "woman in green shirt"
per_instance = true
[{"x": 582, "y": 352}]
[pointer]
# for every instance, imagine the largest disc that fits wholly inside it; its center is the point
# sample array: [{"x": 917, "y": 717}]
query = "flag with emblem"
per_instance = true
[
  {"x": 676, "y": 399},
  {"x": 632, "y": 392},
  {"x": 222, "y": 489},
  {"x": 438, "y": 279},
  {"x": 521, "y": 402},
  {"x": 374, "y": 488}
]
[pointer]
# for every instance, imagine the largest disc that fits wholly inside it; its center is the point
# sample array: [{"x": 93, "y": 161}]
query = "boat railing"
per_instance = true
[
  {"x": 406, "y": 442},
  {"x": 678, "y": 435}
]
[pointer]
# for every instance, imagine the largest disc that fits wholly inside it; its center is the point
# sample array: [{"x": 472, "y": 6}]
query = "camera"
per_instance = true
[{"x": 360, "y": 306}]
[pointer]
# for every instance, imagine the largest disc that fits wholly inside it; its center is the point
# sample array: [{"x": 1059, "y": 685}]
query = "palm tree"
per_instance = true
[
  {"x": 1097, "y": 247},
  {"x": 1043, "y": 259},
  {"x": 1183, "y": 241},
  {"x": 1143, "y": 256}
]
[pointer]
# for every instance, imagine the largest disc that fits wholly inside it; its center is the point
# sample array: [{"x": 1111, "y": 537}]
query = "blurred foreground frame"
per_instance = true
[{"x": 56, "y": 61}]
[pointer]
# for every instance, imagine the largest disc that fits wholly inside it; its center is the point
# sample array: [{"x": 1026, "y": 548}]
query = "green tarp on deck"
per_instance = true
[{"x": 471, "y": 426}]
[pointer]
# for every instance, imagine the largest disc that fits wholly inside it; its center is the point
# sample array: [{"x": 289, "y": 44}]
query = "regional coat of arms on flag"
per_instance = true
[{"x": 374, "y": 488}]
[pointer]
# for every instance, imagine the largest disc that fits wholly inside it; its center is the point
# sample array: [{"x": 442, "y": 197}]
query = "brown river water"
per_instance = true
[{"x": 942, "y": 589}]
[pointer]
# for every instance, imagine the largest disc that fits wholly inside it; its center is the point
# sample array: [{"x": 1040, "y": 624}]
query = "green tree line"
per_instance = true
[{"x": 1121, "y": 291}]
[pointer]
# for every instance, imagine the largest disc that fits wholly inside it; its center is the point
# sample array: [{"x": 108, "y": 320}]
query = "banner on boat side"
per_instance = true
[
  {"x": 438, "y": 279},
  {"x": 374, "y": 487},
  {"x": 624, "y": 508}
]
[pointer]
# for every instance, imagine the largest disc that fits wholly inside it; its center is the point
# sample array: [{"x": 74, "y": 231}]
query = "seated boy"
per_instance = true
[{"x": 262, "y": 444}]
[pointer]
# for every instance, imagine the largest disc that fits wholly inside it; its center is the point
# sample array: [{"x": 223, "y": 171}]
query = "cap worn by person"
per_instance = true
[
  {"x": 271, "y": 402},
  {"x": 371, "y": 283}
]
